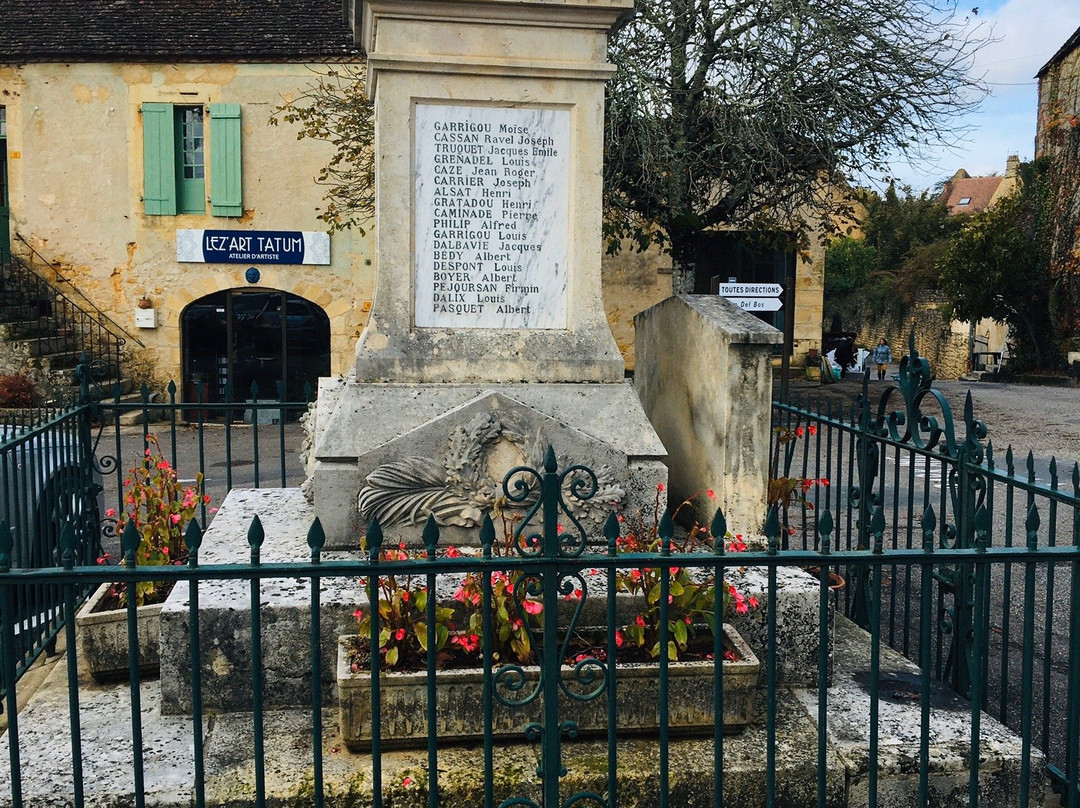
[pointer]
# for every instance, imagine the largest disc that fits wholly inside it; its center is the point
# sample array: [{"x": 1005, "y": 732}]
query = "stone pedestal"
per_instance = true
[
  {"x": 488, "y": 339},
  {"x": 704, "y": 372}
]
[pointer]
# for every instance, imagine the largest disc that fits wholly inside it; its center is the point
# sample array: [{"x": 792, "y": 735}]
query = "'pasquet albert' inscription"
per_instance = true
[{"x": 491, "y": 216}]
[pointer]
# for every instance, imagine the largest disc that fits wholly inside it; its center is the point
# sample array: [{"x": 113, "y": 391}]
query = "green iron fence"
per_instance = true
[
  {"x": 889, "y": 458},
  {"x": 967, "y": 569},
  {"x": 556, "y": 563},
  {"x": 69, "y": 463}
]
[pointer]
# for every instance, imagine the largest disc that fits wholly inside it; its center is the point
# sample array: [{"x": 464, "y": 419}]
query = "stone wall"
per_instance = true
[{"x": 941, "y": 340}]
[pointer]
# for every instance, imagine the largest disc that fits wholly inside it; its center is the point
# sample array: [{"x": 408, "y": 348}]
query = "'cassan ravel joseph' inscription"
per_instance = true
[{"x": 492, "y": 216}]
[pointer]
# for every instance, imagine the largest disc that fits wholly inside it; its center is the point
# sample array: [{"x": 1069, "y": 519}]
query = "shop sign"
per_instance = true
[{"x": 252, "y": 246}]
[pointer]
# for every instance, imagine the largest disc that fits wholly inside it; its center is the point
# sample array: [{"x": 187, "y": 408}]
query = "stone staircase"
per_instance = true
[{"x": 47, "y": 330}]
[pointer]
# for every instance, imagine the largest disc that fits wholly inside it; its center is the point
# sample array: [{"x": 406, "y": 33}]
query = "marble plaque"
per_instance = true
[{"x": 491, "y": 216}]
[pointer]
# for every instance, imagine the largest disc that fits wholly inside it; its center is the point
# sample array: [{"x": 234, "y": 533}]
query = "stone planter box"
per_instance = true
[
  {"x": 103, "y": 638},
  {"x": 459, "y": 694}
]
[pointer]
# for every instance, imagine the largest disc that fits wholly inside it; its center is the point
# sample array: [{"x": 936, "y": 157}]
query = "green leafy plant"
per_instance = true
[
  {"x": 787, "y": 489},
  {"x": 517, "y": 612},
  {"x": 402, "y": 607},
  {"x": 160, "y": 507},
  {"x": 691, "y": 594}
]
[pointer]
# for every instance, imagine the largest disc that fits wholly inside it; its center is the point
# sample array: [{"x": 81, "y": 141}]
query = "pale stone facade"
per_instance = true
[{"x": 75, "y": 159}]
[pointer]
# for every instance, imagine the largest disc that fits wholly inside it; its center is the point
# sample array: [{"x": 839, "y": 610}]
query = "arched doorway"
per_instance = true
[{"x": 234, "y": 338}]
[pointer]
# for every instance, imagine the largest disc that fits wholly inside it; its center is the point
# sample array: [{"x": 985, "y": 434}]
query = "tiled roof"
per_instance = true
[
  {"x": 978, "y": 191},
  {"x": 173, "y": 31}
]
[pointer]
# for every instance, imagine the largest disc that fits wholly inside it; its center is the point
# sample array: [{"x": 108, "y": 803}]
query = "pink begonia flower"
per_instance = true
[
  {"x": 110, "y": 512},
  {"x": 407, "y": 782},
  {"x": 399, "y": 635},
  {"x": 532, "y": 606},
  {"x": 710, "y": 494},
  {"x": 174, "y": 518},
  {"x": 659, "y": 486}
]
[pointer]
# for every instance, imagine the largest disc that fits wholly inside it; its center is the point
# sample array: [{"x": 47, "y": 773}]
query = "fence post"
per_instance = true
[
  {"x": 866, "y": 451},
  {"x": 550, "y": 760},
  {"x": 7, "y": 660}
]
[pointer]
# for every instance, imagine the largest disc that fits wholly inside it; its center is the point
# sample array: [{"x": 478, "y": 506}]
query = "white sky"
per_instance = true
[{"x": 1029, "y": 33}]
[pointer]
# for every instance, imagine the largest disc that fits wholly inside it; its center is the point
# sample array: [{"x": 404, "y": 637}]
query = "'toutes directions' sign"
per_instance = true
[
  {"x": 753, "y": 296},
  {"x": 750, "y": 290}
]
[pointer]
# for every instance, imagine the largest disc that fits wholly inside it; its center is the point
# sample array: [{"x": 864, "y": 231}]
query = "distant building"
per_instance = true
[
  {"x": 964, "y": 193},
  {"x": 1057, "y": 139}
]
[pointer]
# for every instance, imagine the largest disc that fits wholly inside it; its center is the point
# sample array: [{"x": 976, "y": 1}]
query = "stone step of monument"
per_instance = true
[{"x": 225, "y": 612}]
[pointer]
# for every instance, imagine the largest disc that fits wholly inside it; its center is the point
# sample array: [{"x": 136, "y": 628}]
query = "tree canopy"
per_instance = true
[
  {"x": 896, "y": 260},
  {"x": 746, "y": 113},
  {"x": 334, "y": 108}
]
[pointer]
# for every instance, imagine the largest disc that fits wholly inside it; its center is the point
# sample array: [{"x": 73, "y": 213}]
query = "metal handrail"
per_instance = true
[{"x": 123, "y": 334}]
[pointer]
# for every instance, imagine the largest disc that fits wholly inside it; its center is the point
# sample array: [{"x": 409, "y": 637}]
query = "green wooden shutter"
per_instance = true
[
  {"x": 159, "y": 160},
  {"x": 225, "y": 196}
]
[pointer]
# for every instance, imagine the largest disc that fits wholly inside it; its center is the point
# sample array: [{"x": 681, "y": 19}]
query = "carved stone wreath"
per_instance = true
[{"x": 463, "y": 488}]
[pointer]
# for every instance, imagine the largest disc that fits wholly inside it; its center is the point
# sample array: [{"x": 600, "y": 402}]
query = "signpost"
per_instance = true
[
  {"x": 766, "y": 297},
  {"x": 753, "y": 296}
]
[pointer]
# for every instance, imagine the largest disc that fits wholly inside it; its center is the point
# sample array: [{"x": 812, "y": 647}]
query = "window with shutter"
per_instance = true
[
  {"x": 190, "y": 160},
  {"x": 175, "y": 151}
]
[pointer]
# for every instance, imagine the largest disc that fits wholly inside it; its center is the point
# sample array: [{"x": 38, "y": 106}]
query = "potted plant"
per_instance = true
[
  {"x": 515, "y": 620},
  {"x": 159, "y": 507}
]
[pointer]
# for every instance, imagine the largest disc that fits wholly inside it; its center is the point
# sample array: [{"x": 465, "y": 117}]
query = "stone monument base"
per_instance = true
[{"x": 400, "y": 452}]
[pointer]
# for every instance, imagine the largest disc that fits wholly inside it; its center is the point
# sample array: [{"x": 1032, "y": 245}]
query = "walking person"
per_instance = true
[{"x": 882, "y": 357}]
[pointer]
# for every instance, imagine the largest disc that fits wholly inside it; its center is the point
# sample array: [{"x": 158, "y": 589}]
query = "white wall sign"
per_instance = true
[
  {"x": 491, "y": 218},
  {"x": 252, "y": 247}
]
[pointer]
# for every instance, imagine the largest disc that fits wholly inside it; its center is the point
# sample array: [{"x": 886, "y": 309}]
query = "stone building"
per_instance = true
[
  {"x": 1059, "y": 97},
  {"x": 964, "y": 193},
  {"x": 139, "y": 165},
  {"x": 1057, "y": 139}
]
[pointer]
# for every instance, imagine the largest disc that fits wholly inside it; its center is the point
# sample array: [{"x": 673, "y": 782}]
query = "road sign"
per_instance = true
[
  {"x": 732, "y": 290},
  {"x": 758, "y": 303}
]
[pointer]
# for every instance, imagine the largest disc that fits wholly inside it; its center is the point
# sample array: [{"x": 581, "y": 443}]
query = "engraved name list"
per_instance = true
[{"x": 491, "y": 221}]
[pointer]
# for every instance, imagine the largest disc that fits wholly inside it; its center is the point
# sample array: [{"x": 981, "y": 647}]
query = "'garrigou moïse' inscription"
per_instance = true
[{"x": 492, "y": 219}]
